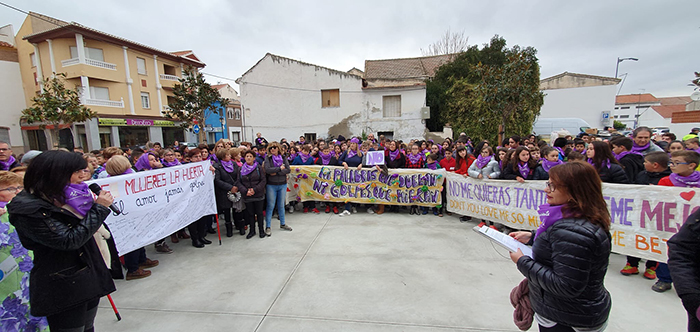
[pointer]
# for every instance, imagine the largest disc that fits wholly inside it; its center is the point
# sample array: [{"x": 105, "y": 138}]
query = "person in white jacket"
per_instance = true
[{"x": 485, "y": 166}]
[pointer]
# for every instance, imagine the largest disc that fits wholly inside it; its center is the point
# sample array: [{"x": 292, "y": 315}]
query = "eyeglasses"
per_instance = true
[
  {"x": 169, "y": 155},
  {"x": 674, "y": 163},
  {"x": 551, "y": 186},
  {"x": 13, "y": 189}
]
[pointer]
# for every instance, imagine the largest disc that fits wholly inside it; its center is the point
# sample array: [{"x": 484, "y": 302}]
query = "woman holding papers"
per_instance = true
[{"x": 570, "y": 253}]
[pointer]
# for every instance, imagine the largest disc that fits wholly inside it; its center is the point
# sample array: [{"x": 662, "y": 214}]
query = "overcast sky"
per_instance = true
[{"x": 575, "y": 36}]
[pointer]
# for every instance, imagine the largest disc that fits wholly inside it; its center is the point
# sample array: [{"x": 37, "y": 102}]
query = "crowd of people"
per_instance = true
[{"x": 250, "y": 182}]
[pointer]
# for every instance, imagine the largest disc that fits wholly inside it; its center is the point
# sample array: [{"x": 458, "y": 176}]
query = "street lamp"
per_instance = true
[
  {"x": 222, "y": 120},
  {"x": 620, "y": 60}
]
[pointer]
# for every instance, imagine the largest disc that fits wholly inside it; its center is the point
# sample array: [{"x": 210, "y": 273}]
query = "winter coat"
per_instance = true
[
  {"x": 355, "y": 161},
  {"x": 614, "y": 174},
  {"x": 297, "y": 161},
  {"x": 645, "y": 177},
  {"x": 540, "y": 173},
  {"x": 280, "y": 176},
  {"x": 449, "y": 164},
  {"x": 684, "y": 262},
  {"x": 567, "y": 273},
  {"x": 332, "y": 162},
  {"x": 68, "y": 267},
  {"x": 509, "y": 174},
  {"x": 256, "y": 180},
  {"x": 632, "y": 164},
  {"x": 223, "y": 182},
  {"x": 490, "y": 171}
]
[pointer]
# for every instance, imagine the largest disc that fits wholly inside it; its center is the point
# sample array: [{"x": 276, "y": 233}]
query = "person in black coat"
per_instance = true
[
  {"x": 521, "y": 159},
  {"x": 631, "y": 162},
  {"x": 393, "y": 158},
  {"x": 655, "y": 168},
  {"x": 609, "y": 169},
  {"x": 225, "y": 179},
  {"x": 69, "y": 275},
  {"x": 570, "y": 252},
  {"x": 251, "y": 184},
  {"x": 684, "y": 264}
]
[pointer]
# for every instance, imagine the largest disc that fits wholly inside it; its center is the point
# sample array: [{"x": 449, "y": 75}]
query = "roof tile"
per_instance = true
[{"x": 422, "y": 67}]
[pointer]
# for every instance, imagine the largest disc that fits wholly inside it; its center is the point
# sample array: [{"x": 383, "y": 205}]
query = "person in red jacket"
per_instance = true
[
  {"x": 463, "y": 161},
  {"x": 448, "y": 163},
  {"x": 683, "y": 164}
]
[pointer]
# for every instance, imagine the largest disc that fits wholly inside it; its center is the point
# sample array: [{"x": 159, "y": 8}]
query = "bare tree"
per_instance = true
[{"x": 449, "y": 43}]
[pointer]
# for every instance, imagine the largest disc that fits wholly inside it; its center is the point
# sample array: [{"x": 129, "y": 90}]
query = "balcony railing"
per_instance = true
[
  {"x": 105, "y": 103},
  {"x": 90, "y": 62},
  {"x": 169, "y": 77}
]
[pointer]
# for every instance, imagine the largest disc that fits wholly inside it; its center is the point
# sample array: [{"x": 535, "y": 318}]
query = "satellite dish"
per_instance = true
[{"x": 695, "y": 96}]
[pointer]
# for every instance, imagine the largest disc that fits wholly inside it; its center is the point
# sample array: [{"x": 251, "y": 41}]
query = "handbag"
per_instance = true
[{"x": 235, "y": 198}]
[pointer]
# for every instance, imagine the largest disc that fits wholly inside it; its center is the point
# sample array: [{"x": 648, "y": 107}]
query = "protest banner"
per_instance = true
[
  {"x": 421, "y": 187},
  {"x": 157, "y": 203},
  {"x": 643, "y": 217}
]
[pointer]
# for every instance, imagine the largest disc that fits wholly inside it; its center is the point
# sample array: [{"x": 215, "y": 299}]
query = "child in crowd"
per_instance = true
[
  {"x": 580, "y": 146},
  {"x": 448, "y": 163},
  {"x": 675, "y": 146},
  {"x": 463, "y": 161},
  {"x": 534, "y": 154},
  {"x": 305, "y": 158},
  {"x": 575, "y": 156},
  {"x": 693, "y": 144},
  {"x": 485, "y": 166},
  {"x": 632, "y": 162},
  {"x": 327, "y": 158},
  {"x": 432, "y": 163},
  {"x": 551, "y": 159},
  {"x": 683, "y": 165},
  {"x": 521, "y": 167},
  {"x": 500, "y": 157}
]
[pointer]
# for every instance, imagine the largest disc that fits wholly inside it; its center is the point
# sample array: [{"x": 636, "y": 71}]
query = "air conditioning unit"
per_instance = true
[{"x": 425, "y": 113}]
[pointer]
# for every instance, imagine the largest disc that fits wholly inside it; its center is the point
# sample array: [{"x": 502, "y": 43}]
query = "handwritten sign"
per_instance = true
[
  {"x": 157, "y": 203},
  {"x": 375, "y": 158},
  {"x": 368, "y": 185},
  {"x": 643, "y": 217}
]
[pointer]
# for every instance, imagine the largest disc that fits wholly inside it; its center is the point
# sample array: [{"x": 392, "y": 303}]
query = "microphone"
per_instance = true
[{"x": 96, "y": 189}]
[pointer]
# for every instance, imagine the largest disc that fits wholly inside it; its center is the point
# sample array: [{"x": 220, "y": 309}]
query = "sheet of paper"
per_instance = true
[{"x": 504, "y": 240}]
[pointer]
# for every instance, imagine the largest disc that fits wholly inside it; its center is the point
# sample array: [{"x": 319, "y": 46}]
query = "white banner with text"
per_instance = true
[{"x": 643, "y": 217}]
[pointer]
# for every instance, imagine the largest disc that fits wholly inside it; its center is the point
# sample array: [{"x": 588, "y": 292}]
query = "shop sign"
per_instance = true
[{"x": 136, "y": 122}]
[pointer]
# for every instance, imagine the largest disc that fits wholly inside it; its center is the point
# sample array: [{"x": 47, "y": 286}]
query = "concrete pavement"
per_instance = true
[{"x": 392, "y": 272}]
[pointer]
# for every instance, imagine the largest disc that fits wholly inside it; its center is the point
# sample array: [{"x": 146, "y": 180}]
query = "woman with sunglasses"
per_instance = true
[
  {"x": 570, "y": 253},
  {"x": 56, "y": 217}
]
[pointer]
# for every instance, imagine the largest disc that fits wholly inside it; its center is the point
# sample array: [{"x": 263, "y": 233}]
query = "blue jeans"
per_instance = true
[
  {"x": 663, "y": 273},
  {"x": 275, "y": 195}
]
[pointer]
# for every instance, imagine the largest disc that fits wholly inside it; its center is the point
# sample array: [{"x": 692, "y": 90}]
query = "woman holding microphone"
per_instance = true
[{"x": 56, "y": 217}]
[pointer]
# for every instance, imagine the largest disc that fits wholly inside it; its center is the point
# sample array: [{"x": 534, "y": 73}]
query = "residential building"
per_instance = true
[
  {"x": 126, "y": 83},
  {"x": 11, "y": 93},
  {"x": 225, "y": 122},
  {"x": 676, "y": 113},
  {"x": 286, "y": 98},
  {"x": 571, "y": 95}
]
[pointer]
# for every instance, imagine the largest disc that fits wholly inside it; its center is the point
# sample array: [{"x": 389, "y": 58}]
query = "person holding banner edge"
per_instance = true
[
  {"x": 571, "y": 249},
  {"x": 69, "y": 275}
]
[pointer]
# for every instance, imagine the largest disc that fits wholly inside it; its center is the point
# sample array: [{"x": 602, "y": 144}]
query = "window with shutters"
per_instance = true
[
  {"x": 391, "y": 106},
  {"x": 141, "y": 66},
  {"x": 99, "y": 93},
  {"x": 330, "y": 98},
  {"x": 90, "y": 53},
  {"x": 145, "y": 100}
]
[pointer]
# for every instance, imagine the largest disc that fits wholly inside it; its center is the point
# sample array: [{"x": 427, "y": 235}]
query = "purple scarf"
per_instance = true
[
  {"x": 432, "y": 166},
  {"x": 259, "y": 140},
  {"x": 482, "y": 161},
  {"x": 548, "y": 216},
  {"x": 524, "y": 169},
  {"x": 292, "y": 156},
  {"x": 415, "y": 158},
  {"x": 326, "y": 158},
  {"x": 547, "y": 165},
  {"x": 607, "y": 163},
  {"x": 246, "y": 169},
  {"x": 142, "y": 163},
  {"x": 692, "y": 180},
  {"x": 79, "y": 197},
  {"x": 3, "y": 204},
  {"x": 262, "y": 155},
  {"x": 561, "y": 152},
  {"x": 304, "y": 157},
  {"x": 6, "y": 164},
  {"x": 277, "y": 160},
  {"x": 350, "y": 154},
  {"x": 624, "y": 153},
  {"x": 228, "y": 166},
  {"x": 174, "y": 163},
  {"x": 639, "y": 149},
  {"x": 394, "y": 154}
]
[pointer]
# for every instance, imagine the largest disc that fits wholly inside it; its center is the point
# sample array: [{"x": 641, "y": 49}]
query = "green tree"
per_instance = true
[
  {"x": 619, "y": 125},
  {"x": 484, "y": 88},
  {"x": 194, "y": 101},
  {"x": 57, "y": 105}
]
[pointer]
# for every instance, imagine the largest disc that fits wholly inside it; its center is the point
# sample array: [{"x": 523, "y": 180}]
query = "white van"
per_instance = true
[{"x": 545, "y": 126}]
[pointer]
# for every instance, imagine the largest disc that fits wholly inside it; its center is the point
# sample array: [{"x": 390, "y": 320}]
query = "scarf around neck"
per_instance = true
[
  {"x": 227, "y": 165},
  {"x": 174, "y": 163},
  {"x": 524, "y": 169},
  {"x": 606, "y": 163},
  {"x": 637, "y": 148},
  {"x": 548, "y": 216},
  {"x": 351, "y": 153},
  {"x": 246, "y": 169},
  {"x": 432, "y": 166},
  {"x": 79, "y": 197},
  {"x": 7, "y": 164},
  {"x": 394, "y": 154},
  {"x": 325, "y": 158},
  {"x": 277, "y": 160},
  {"x": 692, "y": 180},
  {"x": 482, "y": 161},
  {"x": 415, "y": 158},
  {"x": 547, "y": 165},
  {"x": 142, "y": 163},
  {"x": 304, "y": 157},
  {"x": 624, "y": 153}
]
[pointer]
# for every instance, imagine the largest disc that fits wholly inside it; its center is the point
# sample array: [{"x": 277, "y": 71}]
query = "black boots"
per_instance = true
[
  {"x": 204, "y": 240},
  {"x": 197, "y": 243},
  {"x": 229, "y": 229}
]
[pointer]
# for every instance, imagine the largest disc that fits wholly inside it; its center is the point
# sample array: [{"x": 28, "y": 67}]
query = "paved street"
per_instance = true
[{"x": 359, "y": 273}]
